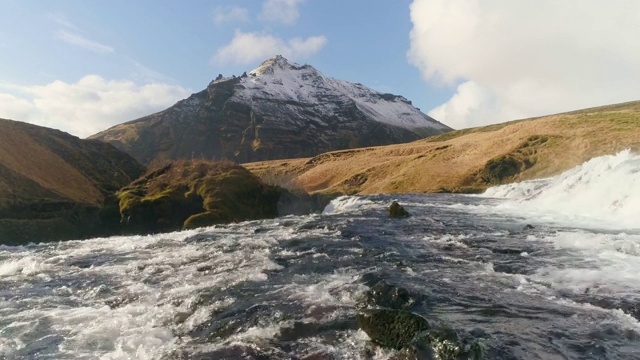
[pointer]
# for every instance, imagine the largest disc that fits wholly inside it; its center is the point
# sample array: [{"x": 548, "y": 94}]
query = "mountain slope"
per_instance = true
[
  {"x": 279, "y": 110},
  {"x": 48, "y": 177},
  {"x": 468, "y": 160}
]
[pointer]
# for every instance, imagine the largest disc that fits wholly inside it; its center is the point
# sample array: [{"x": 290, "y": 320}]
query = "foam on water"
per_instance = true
[
  {"x": 118, "y": 298},
  {"x": 604, "y": 192},
  {"x": 598, "y": 263},
  {"x": 345, "y": 204},
  {"x": 293, "y": 285},
  {"x": 601, "y": 194}
]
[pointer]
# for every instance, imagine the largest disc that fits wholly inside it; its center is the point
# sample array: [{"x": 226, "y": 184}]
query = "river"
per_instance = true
[{"x": 545, "y": 269}]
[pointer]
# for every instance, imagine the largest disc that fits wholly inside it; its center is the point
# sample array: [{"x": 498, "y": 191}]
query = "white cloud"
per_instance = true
[
  {"x": 78, "y": 40},
  {"x": 246, "y": 48},
  {"x": 227, "y": 14},
  {"x": 281, "y": 11},
  {"x": 61, "y": 19},
  {"x": 526, "y": 58},
  {"x": 88, "y": 106},
  {"x": 13, "y": 107}
]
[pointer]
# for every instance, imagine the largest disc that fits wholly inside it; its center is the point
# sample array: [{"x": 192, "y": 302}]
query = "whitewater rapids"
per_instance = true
[{"x": 564, "y": 288}]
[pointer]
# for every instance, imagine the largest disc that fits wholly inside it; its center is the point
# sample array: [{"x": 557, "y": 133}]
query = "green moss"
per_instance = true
[
  {"x": 189, "y": 194},
  {"x": 500, "y": 168},
  {"x": 201, "y": 220},
  {"x": 393, "y": 329}
]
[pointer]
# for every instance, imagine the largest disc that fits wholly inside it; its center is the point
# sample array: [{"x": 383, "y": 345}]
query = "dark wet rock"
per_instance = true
[
  {"x": 507, "y": 251},
  {"x": 91, "y": 261},
  {"x": 407, "y": 331},
  {"x": 397, "y": 211},
  {"x": 384, "y": 294},
  {"x": 394, "y": 329},
  {"x": 205, "y": 268},
  {"x": 510, "y": 267},
  {"x": 528, "y": 227},
  {"x": 443, "y": 343}
]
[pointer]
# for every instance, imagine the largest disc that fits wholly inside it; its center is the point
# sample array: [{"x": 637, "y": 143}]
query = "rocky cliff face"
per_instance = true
[
  {"x": 279, "y": 110},
  {"x": 56, "y": 186}
]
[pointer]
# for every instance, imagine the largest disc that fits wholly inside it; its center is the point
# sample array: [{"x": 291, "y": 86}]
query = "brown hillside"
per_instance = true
[
  {"x": 50, "y": 180},
  {"x": 471, "y": 159},
  {"x": 38, "y": 162}
]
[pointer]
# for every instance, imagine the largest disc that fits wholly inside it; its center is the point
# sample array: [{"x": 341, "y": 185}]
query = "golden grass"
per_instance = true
[
  {"x": 455, "y": 161},
  {"x": 25, "y": 155}
]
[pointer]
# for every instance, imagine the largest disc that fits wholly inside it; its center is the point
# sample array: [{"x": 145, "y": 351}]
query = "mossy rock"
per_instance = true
[
  {"x": 444, "y": 343},
  {"x": 189, "y": 194},
  {"x": 201, "y": 220},
  {"x": 397, "y": 211},
  {"x": 394, "y": 329}
]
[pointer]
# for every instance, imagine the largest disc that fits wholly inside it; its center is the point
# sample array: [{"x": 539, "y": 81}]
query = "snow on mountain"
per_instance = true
[
  {"x": 279, "y": 110},
  {"x": 277, "y": 78}
]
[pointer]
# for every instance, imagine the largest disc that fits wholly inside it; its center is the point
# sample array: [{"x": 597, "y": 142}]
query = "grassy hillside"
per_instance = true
[
  {"x": 51, "y": 181},
  {"x": 468, "y": 160}
]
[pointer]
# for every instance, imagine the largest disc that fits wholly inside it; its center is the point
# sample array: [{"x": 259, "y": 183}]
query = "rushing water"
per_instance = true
[{"x": 288, "y": 288}]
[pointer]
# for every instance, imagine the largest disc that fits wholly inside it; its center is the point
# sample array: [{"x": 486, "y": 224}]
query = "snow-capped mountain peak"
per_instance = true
[
  {"x": 277, "y": 78},
  {"x": 273, "y": 65},
  {"x": 279, "y": 110}
]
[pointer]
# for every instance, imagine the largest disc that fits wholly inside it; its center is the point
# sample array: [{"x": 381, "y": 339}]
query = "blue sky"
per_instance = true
[{"x": 84, "y": 66}]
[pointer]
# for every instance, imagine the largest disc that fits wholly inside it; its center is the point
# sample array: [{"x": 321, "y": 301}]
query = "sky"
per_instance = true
[{"x": 83, "y": 66}]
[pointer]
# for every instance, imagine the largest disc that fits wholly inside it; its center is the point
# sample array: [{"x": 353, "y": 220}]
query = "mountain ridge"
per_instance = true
[{"x": 278, "y": 110}]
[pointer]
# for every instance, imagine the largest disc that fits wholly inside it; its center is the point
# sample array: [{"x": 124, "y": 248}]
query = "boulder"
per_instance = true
[
  {"x": 443, "y": 343},
  {"x": 188, "y": 194},
  {"x": 416, "y": 338},
  {"x": 397, "y": 211},
  {"x": 394, "y": 329}
]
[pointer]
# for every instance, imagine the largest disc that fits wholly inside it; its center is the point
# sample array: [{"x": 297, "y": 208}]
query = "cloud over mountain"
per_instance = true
[{"x": 249, "y": 47}]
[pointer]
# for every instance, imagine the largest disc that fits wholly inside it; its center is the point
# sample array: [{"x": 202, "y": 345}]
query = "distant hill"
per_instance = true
[
  {"x": 54, "y": 185},
  {"x": 279, "y": 110},
  {"x": 468, "y": 160}
]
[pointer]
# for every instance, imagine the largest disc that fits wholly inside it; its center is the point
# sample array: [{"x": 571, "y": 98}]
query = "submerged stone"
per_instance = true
[{"x": 397, "y": 211}]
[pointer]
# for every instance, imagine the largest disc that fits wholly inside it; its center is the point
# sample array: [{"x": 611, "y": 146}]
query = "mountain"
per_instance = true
[
  {"x": 54, "y": 185},
  {"x": 279, "y": 110},
  {"x": 467, "y": 160}
]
